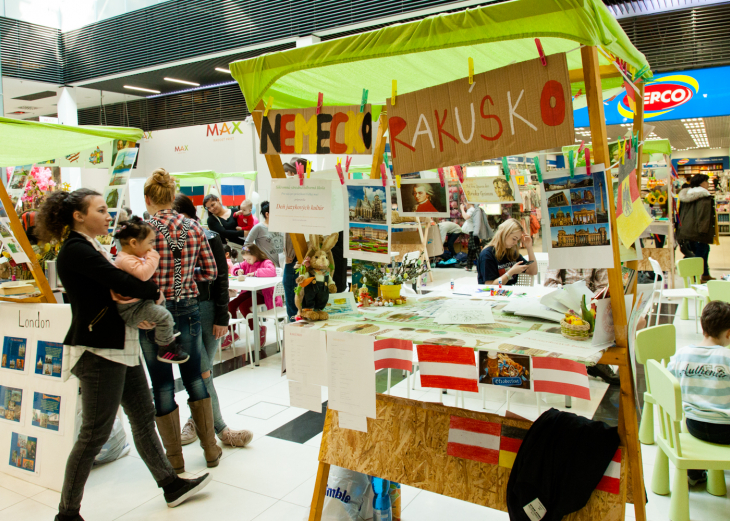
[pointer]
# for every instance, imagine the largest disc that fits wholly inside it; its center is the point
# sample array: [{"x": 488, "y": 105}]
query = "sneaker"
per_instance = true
[
  {"x": 227, "y": 342},
  {"x": 235, "y": 438},
  {"x": 188, "y": 434},
  {"x": 603, "y": 372},
  {"x": 172, "y": 354},
  {"x": 262, "y": 337},
  {"x": 696, "y": 477},
  {"x": 189, "y": 489}
]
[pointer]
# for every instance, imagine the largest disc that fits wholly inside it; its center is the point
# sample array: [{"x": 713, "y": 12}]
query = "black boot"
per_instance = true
[{"x": 605, "y": 373}]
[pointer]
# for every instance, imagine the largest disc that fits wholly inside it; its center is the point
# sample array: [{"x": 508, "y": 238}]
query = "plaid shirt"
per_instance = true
[
  {"x": 595, "y": 279},
  {"x": 196, "y": 252}
]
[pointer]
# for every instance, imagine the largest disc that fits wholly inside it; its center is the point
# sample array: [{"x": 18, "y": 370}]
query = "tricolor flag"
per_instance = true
[
  {"x": 611, "y": 480},
  {"x": 473, "y": 439},
  {"x": 448, "y": 367},
  {"x": 232, "y": 195},
  {"x": 392, "y": 353},
  {"x": 560, "y": 376},
  {"x": 509, "y": 445},
  {"x": 195, "y": 193}
]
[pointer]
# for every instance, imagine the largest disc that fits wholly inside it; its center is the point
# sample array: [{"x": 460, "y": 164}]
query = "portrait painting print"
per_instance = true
[{"x": 423, "y": 198}]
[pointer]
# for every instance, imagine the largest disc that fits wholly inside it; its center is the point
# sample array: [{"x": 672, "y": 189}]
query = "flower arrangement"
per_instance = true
[
  {"x": 39, "y": 182},
  {"x": 381, "y": 275}
]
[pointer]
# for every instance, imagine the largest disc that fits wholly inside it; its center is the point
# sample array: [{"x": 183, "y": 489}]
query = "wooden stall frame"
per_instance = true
[{"x": 46, "y": 295}]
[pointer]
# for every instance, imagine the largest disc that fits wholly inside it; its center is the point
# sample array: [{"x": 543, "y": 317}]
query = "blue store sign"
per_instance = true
[{"x": 675, "y": 95}]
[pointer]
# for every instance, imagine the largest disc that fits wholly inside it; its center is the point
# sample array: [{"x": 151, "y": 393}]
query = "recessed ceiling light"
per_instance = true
[
  {"x": 142, "y": 89},
  {"x": 183, "y": 82},
  {"x": 221, "y": 69}
]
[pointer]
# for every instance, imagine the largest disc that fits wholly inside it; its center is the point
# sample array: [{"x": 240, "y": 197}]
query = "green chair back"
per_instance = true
[
  {"x": 668, "y": 396},
  {"x": 719, "y": 290},
  {"x": 656, "y": 343},
  {"x": 691, "y": 270}
]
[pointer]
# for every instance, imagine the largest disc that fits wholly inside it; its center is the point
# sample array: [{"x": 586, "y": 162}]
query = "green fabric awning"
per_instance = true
[
  {"x": 657, "y": 146},
  {"x": 431, "y": 51},
  {"x": 208, "y": 177},
  {"x": 27, "y": 142}
]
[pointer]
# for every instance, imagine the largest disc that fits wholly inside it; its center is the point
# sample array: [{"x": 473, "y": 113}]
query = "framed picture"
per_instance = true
[{"x": 423, "y": 198}]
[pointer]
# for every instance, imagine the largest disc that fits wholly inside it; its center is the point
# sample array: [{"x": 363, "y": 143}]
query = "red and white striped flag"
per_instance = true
[
  {"x": 560, "y": 376},
  {"x": 474, "y": 439},
  {"x": 611, "y": 480},
  {"x": 448, "y": 367},
  {"x": 392, "y": 353}
]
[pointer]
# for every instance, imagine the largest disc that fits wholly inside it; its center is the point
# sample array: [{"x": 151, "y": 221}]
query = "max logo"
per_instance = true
[
  {"x": 183, "y": 148},
  {"x": 662, "y": 96},
  {"x": 214, "y": 130}
]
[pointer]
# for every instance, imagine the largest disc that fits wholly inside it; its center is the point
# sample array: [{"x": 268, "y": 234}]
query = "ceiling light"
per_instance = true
[
  {"x": 183, "y": 82},
  {"x": 142, "y": 89},
  {"x": 221, "y": 69}
]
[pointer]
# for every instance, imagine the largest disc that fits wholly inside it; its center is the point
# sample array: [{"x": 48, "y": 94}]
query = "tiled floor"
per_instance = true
[{"x": 273, "y": 478}]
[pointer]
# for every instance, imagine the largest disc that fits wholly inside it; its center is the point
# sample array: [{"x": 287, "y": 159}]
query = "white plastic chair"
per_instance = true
[
  {"x": 669, "y": 293},
  {"x": 542, "y": 266},
  {"x": 273, "y": 313},
  {"x": 232, "y": 323}
]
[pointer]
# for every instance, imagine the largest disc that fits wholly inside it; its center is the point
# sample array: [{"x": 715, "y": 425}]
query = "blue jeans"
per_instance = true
[
  {"x": 187, "y": 320},
  {"x": 289, "y": 282},
  {"x": 210, "y": 349}
]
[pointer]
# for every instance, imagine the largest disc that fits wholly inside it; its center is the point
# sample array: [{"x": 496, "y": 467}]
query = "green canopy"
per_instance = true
[
  {"x": 208, "y": 177},
  {"x": 432, "y": 51},
  {"x": 27, "y": 142},
  {"x": 657, "y": 146}
]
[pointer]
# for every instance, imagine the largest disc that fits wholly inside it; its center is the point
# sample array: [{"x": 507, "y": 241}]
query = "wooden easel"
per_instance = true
[{"x": 46, "y": 295}]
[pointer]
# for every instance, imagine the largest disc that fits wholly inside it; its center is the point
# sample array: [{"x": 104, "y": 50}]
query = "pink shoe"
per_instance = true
[
  {"x": 226, "y": 344},
  {"x": 262, "y": 336}
]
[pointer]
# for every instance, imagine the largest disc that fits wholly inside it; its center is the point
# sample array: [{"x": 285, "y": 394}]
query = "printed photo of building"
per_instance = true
[
  {"x": 575, "y": 237},
  {"x": 558, "y": 199},
  {"x": 560, "y": 217},
  {"x": 366, "y": 204},
  {"x": 582, "y": 196}
]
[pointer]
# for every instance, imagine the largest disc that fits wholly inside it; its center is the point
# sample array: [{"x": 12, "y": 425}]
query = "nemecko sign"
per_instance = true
[
  {"x": 519, "y": 108},
  {"x": 335, "y": 130}
]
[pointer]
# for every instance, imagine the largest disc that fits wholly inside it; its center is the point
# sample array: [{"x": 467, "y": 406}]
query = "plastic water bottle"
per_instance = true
[{"x": 381, "y": 500}]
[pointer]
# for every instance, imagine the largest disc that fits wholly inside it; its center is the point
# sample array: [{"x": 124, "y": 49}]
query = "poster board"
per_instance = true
[
  {"x": 315, "y": 207},
  {"x": 505, "y": 111},
  {"x": 48, "y": 405},
  {"x": 367, "y": 221},
  {"x": 492, "y": 190}
]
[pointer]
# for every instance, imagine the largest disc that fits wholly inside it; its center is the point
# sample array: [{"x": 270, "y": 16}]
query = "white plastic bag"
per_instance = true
[
  {"x": 348, "y": 496},
  {"x": 115, "y": 447}
]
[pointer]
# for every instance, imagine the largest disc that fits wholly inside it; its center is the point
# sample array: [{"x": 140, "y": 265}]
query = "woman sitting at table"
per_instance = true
[
  {"x": 500, "y": 262},
  {"x": 222, "y": 221},
  {"x": 255, "y": 264}
]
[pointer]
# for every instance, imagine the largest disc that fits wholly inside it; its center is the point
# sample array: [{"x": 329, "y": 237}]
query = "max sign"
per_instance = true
[
  {"x": 335, "y": 130},
  {"x": 519, "y": 108}
]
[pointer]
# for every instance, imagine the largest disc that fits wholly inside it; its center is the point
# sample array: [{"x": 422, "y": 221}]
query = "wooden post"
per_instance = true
[
  {"x": 670, "y": 218},
  {"x": 379, "y": 149},
  {"x": 320, "y": 490},
  {"x": 628, "y": 425}
]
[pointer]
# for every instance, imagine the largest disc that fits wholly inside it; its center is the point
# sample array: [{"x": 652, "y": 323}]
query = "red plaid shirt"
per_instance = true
[{"x": 196, "y": 252}]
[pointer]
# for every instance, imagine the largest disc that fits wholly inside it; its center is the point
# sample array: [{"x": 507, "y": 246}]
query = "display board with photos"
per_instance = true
[
  {"x": 368, "y": 219},
  {"x": 119, "y": 173}
]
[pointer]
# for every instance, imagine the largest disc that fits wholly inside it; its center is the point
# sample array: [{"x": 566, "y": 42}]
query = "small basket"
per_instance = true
[{"x": 575, "y": 332}]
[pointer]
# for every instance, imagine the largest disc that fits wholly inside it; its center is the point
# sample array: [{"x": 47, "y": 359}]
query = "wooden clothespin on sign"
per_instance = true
[
  {"x": 505, "y": 167},
  {"x": 471, "y": 70},
  {"x": 621, "y": 151},
  {"x": 309, "y": 169},
  {"x": 395, "y": 92},
  {"x": 348, "y": 160},
  {"x": 571, "y": 163},
  {"x": 397, "y": 181},
  {"x": 320, "y": 100},
  {"x": 543, "y": 59},
  {"x": 385, "y": 160},
  {"x": 536, "y": 160},
  {"x": 588, "y": 161},
  {"x": 300, "y": 173},
  {"x": 459, "y": 173},
  {"x": 364, "y": 100},
  {"x": 268, "y": 105},
  {"x": 338, "y": 167},
  {"x": 442, "y": 177},
  {"x": 580, "y": 148},
  {"x": 383, "y": 175}
]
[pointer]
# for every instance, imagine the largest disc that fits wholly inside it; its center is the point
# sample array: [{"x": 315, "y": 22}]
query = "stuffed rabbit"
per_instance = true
[{"x": 317, "y": 284}]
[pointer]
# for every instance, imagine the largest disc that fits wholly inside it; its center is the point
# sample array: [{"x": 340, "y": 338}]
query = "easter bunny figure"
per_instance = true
[{"x": 316, "y": 285}]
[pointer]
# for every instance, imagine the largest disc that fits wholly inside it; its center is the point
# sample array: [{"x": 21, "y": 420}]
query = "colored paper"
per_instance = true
[
  {"x": 475, "y": 440},
  {"x": 447, "y": 367},
  {"x": 560, "y": 376},
  {"x": 23, "y": 452},
  {"x": 631, "y": 216},
  {"x": 233, "y": 195},
  {"x": 509, "y": 444},
  {"x": 611, "y": 479},
  {"x": 49, "y": 357},
  {"x": 46, "y": 411},
  {"x": 196, "y": 194},
  {"x": 13, "y": 355},
  {"x": 392, "y": 353},
  {"x": 350, "y": 368},
  {"x": 11, "y": 403}
]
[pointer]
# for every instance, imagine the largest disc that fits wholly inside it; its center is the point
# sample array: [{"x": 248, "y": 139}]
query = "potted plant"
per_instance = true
[{"x": 388, "y": 281}]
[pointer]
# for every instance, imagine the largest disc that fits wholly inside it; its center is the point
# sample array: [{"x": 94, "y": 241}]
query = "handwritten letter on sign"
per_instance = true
[
  {"x": 335, "y": 130},
  {"x": 518, "y": 108}
]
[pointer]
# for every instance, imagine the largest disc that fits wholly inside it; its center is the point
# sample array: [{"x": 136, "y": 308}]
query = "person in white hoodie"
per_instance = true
[{"x": 697, "y": 219}]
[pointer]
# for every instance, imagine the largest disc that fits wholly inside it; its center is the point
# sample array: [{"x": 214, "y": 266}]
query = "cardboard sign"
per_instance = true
[
  {"x": 521, "y": 107},
  {"x": 335, "y": 130}
]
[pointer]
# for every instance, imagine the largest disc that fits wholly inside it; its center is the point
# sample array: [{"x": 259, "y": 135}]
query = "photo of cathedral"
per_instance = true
[{"x": 366, "y": 204}]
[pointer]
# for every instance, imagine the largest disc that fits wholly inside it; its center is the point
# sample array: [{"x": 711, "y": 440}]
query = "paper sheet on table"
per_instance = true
[
  {"x": 476, "y": 315},
  {"x": 572, "y": 295},
  {"x": 352, "y": 422},
  {"x": 552, "y": 300},
  {"x": 437, "y": 307},
  {"x": 350, "y": 368},
  {"x": 556, "y": 343},
  {"x": 533, "y": 308},
  {"x": 305, "y": 396},
  {"x": 341, "y": 303},
  {"x": 306, "y": 355}
]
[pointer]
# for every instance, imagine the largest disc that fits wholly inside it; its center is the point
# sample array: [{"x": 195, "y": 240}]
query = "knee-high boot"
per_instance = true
[
  {"x": 169, "y": 428},
  {"x": 202, "y": 412}
]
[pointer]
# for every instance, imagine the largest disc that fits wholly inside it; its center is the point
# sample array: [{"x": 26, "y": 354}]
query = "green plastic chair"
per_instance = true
[
  {"x": 685, "y": 451},
  {"x": 653, "y": 343},
  {"x": 719, "y": 290},
  {"x": 691, "y": 271}
]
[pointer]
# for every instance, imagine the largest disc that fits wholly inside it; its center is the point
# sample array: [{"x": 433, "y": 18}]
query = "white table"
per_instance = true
[
  {"x": 254, "y": 284},
  {"x": 467, "y": 286}
]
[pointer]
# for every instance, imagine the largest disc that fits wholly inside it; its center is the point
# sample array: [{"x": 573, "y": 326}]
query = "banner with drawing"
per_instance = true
[{"x": 367, "y": 218}]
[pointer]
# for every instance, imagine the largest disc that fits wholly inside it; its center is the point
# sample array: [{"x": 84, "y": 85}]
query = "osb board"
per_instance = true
[
  {"x": 658, "y": 254},
  {"x": 410, "y": 240},
  {"x": 407, "y": 444}
]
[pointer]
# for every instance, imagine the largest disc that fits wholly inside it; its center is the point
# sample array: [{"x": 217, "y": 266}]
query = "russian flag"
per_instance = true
[
  {"x": 195, "y": 193},
  {"x": 232, "y": 195}
]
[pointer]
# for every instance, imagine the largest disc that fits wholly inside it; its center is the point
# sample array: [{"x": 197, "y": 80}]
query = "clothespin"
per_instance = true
[
  {"x": 338, "y": 167},
  {"x": 541, "y": 52},
  {"x": 300, "y": 173},
  {"x": 348, "y": 160},
  {"x": 471, "y": 70},
  {"x": 364, "y": 100},
  {"x": 395, "y": 92},
  {"x": 628, "y": 143},
  {"x": 268, "y": 105},
  {"x": 309, "y": 169},
  {"x": 588, "y": 161},
  {"x": 505, "y": 167},
  {"x": 385, "y": 160},
  {"x": 441, "y": 177},
  {"x": 621, "y": 151},
  {"x": 641, "y": 72},
  {"x": 383, "y": 176},
  {"x": 571, "y": 163},
  {"x": 320, "y": 100},
  {"x": 536, "y": 160},
  {"x": 459, "y": 173},
  {"x": 580, "y": 148},
  {"x": 580, "y": 91},
  {"x": 397, "y": 180}
]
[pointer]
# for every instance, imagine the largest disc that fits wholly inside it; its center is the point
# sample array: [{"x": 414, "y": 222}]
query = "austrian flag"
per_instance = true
[
  {"x": 448, "y": 367},
  {"x": 392, "y": 353},
  {"x": 611, "y": 480},
  {"x": 560, "y": 376},
  {"x": 474, "y": 439}
]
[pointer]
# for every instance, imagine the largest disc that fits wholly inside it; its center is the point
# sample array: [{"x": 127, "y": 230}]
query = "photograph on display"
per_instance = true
[
  {"x": 11, "y": 402},
  {"x": 504, "y": 369},
  {"x": 49, "y": 358},
  {"x": 20, "y": 177},
  {"x": 5, "y": 231},
  {"x": 13, "y": 355},
  {"x": 113, "y": 197},
  {"x": 3, "y": 213},
  {"x": 577, "y": 219},
  {"x": 122, "y": 147},
  {"x": 490, "y": 189},
  {"x": 423, "y": 198},
  {"x": 368, "y": 218},
  {"x": 15, "y": 250},
  {"x": 23, "y": 452},
  {"x": 46, "y": 411}
]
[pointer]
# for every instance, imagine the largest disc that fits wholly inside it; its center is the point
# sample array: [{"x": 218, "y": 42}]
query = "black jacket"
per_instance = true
[
  {"x": 217, "y": 290},
  {"x": 226, "y": 228},
  {"x": 696, "y": 215},
  {"x": 561, "y": 461},
  {"x": 87, "y": 276}
]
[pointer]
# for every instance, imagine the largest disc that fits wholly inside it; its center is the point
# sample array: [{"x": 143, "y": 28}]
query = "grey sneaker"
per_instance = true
[
  {"x": 236, "y": 438},
  {"x": 188, "y": 434}
]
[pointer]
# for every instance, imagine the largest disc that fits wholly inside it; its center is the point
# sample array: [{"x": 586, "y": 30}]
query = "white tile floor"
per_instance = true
[{"x": 273, "y": 479}]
